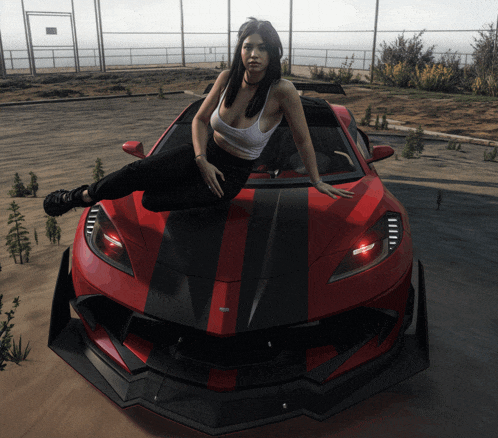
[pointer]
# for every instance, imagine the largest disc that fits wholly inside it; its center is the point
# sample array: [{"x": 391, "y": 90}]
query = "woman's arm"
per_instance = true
[
  {"x": 200, "y": 122},
  {"x": 200, "y": 134},
  {"x": 292, "y": 108}
]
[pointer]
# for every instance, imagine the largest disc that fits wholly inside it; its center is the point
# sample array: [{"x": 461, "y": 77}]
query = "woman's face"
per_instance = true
[{"x": 255, "y": 57}]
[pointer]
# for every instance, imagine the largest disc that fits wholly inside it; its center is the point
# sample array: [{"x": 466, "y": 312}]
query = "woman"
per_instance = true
[{"x": 245, "y": 106}]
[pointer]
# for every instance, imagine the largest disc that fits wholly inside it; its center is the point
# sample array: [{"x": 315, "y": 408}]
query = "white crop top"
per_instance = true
[{"x": 250, "y": 140}]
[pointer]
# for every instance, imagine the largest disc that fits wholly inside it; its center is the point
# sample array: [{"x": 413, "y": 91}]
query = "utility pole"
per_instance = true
[
  {"x": 374, "y": 41},
  {"x": 183, "y": 33},
  {"x": 229, "y": 36},
  {"x": 290, "y": 38}
]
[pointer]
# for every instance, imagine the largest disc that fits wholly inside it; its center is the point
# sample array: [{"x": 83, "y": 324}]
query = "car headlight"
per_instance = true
[
  {"x": 378, "y": 242},
  {"x": 104, "y": 240}
]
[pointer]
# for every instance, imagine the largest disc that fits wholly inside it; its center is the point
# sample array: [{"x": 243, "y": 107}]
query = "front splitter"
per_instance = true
[{"x": 217, "y": 413}]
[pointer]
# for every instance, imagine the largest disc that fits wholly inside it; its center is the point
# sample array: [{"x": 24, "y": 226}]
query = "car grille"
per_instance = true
[{"x": 270, "y": 355}]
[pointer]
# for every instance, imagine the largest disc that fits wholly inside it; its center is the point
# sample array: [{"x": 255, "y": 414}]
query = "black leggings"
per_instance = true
[{"x": 171, "y": 179}]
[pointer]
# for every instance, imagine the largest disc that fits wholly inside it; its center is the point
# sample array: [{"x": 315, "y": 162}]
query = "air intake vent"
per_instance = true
[
  {"x": 394, "y": 230},
  {"x": 90, "y": 220}
]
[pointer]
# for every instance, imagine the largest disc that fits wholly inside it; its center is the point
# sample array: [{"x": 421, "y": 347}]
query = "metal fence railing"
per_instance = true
[
  {"x": 165, "y": 51},
  {"x": 16, "y": 61}
]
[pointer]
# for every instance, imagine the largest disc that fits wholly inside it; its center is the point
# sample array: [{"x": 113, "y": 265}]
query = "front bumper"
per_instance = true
[{"x": 215, "y": 412}]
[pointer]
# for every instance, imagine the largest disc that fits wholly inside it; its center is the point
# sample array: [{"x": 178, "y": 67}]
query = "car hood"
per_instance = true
[
  {"x": 260, "y": 245},
  {"x": 264, "y": 233}
]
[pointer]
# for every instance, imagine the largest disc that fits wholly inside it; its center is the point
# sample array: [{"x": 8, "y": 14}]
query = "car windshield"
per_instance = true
[{"x": 280, "y": 161}]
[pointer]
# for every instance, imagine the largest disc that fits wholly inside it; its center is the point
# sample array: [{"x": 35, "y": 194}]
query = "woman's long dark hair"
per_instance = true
[{"x": 273, "y": 72}]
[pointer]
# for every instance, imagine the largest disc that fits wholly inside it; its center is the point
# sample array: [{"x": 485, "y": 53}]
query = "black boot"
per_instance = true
[{"x": 61, "y": 201}]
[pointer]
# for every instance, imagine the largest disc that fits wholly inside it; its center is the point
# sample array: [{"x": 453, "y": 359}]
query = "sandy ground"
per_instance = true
[{"x": 455, "y": 397}]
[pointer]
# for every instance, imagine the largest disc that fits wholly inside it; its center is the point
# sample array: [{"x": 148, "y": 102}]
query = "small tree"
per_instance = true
[
  {"x": 53, "y": 231},
  {"x": 18, "y": 189},
  {"x": 98, "y": 171},
  {"x": 368, "y": 117},
  {"x": 33, "y": 185},
  {"x": 17, "y": 240},
  {"x": 9, "y": 351},
  {"x": 414, "y": 143},
  {"x": 36, "y": 237},
  {"x": 384, "y": 124}
]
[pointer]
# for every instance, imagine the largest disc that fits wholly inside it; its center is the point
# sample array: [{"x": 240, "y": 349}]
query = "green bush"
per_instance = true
[
  {"x": 490, "y": 156},
  {"x": 395, "y": 75},
  {"x": 485, "y": 53},
  {"x": 414, "y": 143},
  {"x": 408, "y": 51},
  {"x": 343, "y": 76},
  {"x": 436, "y": 77},
  {"x": 9, "y": 350},
  {"x": 317, "y": 73},
  {"x": 453, "y": 145}
]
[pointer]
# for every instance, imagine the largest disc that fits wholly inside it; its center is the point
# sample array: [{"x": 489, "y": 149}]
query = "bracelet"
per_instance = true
[
  {"x": 314, "y": 184},
  {"x": 200, "y": 155}
]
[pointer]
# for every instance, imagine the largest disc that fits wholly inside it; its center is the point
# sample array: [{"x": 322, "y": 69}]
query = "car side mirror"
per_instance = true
[
  {"x": 380, "y": 153},
  {"x": 135, "y": 148}
]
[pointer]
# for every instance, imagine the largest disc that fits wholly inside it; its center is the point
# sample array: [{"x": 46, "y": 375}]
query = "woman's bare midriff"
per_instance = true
[{"x": 228, "y": 148}]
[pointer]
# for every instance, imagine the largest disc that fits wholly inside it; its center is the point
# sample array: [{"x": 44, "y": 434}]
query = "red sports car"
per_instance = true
[{"x": 279, "y": 303}]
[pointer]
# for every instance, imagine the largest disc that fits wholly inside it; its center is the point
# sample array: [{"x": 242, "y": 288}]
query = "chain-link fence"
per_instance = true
[{"x": 39, "y": 57}]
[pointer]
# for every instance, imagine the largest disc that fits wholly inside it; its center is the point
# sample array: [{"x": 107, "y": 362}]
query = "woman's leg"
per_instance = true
[
  {"x": 171, "y": 180},
  {"x": 156, "y": 172},
  {"x": 151, "y": 173}
]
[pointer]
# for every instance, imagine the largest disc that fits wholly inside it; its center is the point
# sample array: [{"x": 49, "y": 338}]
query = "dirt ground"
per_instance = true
[
  {"x": 452, "y": 114},
  {"x": 59, "y": 142}
]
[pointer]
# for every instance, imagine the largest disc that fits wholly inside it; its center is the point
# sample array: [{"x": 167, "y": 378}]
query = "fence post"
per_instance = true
[
  {"x": 100, "y": 36},
  {"x": 3, "y": 69},
  {"x": 131, "y": 57},
  {"x": 29, "y": 44},
  {"x": 374, "y": 41},
  {"x": 75, "y": 40},
  {"x": 229, "y": 57},
  {"x": 183, "y": 33},
  {"x": 290, "y": 39}
]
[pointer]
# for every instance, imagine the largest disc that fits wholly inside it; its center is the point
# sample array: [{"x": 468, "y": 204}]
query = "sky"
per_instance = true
[{"x": 212, "y": 16}]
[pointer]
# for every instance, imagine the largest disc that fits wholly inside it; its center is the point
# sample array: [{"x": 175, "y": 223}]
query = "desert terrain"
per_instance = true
[{"x": 60, "y": 141}]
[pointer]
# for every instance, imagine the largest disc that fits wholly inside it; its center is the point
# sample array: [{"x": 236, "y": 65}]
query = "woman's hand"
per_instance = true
[
  {"x": 327, "y": 189},
  {"x": 209, "y": 173}
]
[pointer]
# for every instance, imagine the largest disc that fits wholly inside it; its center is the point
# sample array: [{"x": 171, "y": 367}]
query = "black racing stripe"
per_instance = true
[
  {"x": 274, "y": 288},
  {"x": 182, "y": 282}
]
